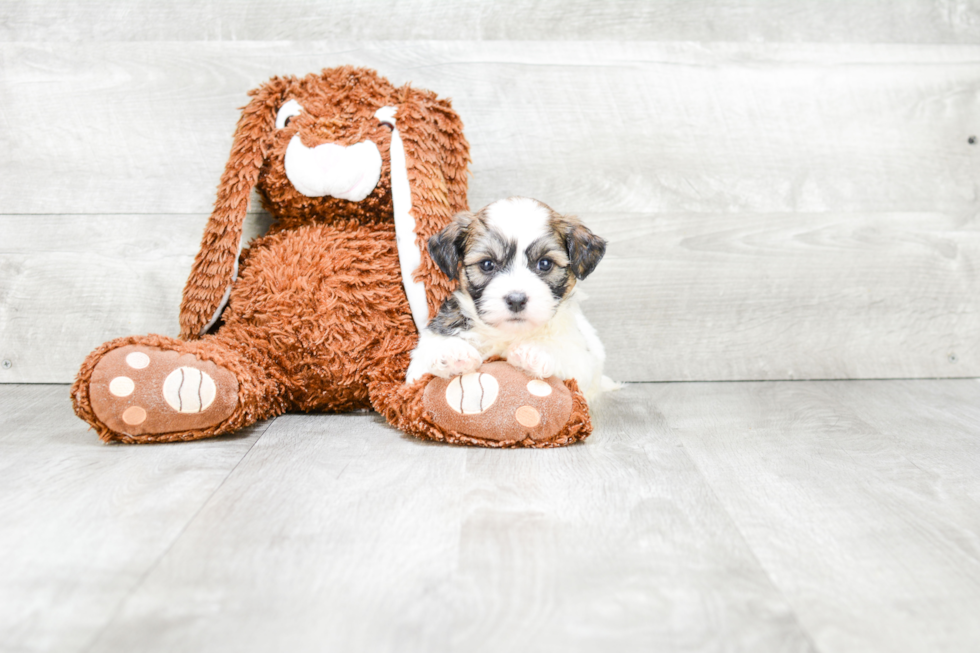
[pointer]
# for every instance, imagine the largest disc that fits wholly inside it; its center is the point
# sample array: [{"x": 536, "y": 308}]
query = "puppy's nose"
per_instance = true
[{"x": 516, "y": 301}]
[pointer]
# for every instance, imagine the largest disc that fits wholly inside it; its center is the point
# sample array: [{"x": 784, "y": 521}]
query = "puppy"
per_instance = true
[{"x": 517, "y": 262}]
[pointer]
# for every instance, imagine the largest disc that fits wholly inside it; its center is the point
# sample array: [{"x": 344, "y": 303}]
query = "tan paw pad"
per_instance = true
[
  {"x": 538, "y": 388},
  {"x": 189, "y": 390},
  {"x": 472, "y": 394},
  {"x": 122, "y": 386},
  {"x": 137, "y": 360},
  {"x": 134, "y": 415},
  {"x": 527, "y": 416}
]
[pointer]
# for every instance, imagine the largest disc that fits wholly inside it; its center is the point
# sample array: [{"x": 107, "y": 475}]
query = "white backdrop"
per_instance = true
[{"x": 788, "y": 188}]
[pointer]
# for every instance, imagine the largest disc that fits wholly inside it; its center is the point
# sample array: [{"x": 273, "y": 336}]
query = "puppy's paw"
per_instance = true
[
  {"x": 532, "y": 359},
  {"x": 445, "y": 357},
  {"x": 455, "y": 357}
]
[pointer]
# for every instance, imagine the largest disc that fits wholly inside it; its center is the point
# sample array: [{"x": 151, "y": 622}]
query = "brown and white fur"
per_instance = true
[{"x": 517, "y": 262}]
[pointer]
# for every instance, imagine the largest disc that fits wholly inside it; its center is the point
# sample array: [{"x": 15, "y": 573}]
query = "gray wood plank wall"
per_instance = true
[
  {"x": 789, "y": 189},
  {"x": 847, "y": 21}
]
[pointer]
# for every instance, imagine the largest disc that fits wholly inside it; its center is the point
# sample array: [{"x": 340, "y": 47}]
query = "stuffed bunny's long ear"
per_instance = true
[
  {"x": 216, "y": 265},
  {"x": 435, "y": 156}
]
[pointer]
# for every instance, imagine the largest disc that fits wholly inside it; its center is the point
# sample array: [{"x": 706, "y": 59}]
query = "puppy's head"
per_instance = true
[{"x": 517, "y": 259}]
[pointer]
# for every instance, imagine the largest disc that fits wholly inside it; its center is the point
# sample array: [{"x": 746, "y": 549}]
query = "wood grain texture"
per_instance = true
[
  {"x": 337, "y": 533},
  {"x": 776, "y": 211},
  {"x": 860, "y": 499},
  {"x": 868, "y": 21},
  {"x": 937, "y": 428},
  {"x": 792, "y": 516},
  {"x": 683, "y": 297},
  {"x": 641, "y": 127},
  {"x": 84, "y": 522},
  {"x": 678, "y": 296},
  {"x": 68, "y": 283}
]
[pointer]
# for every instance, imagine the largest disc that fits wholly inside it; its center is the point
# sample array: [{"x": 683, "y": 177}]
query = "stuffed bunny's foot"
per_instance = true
[
  {"x": 499, "y": 405},
  {"x": 139, "y": 389}
]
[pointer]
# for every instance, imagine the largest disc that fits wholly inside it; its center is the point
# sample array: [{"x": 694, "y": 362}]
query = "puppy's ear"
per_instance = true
[
  {"x": 585, "y": 249},
  {"x": 446, "y": 247}
]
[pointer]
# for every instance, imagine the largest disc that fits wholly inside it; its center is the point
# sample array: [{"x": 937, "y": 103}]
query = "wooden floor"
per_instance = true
[{"x": 765, "y": 516}]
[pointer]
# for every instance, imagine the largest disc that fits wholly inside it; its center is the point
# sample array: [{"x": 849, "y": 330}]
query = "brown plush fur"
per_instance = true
[{"x": 318, "y": 319}]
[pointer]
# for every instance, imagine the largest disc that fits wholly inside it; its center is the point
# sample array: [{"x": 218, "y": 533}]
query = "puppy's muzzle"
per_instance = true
[
  {"x": 348, "y": 173},
  {"x": 516, "y": 301}
]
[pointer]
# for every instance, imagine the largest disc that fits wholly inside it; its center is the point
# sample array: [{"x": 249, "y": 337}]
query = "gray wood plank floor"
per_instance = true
[{"x": 773, "y": 516}]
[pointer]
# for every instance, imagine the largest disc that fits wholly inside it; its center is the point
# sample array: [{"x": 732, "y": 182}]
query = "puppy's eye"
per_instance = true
[
  {"x": 287, "y": 112},
  {"x": 545, "y": 265},
  {"x": 487, "y": 266}
]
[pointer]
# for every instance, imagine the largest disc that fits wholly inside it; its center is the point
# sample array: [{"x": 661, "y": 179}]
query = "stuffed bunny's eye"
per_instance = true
[{"x": 287, "y": 111}]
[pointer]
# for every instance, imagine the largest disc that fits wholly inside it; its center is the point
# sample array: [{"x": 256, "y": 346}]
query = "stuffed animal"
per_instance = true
[{"x": 322, "y": 312}]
